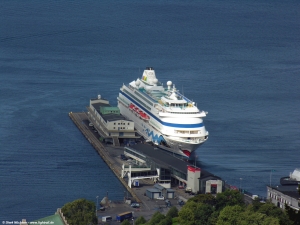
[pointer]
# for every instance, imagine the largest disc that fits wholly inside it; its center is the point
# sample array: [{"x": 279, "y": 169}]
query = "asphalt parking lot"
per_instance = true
[{"x": 147, "y": 206}]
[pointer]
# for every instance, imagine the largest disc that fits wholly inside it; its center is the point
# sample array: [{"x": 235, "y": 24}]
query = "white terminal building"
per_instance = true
[
  {"x": 107, "y": 120},
  {"x": 287, "y": 192}
]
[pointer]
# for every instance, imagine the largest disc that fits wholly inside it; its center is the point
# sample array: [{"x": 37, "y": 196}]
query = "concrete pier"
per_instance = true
[{"x": 80, "y": 120}]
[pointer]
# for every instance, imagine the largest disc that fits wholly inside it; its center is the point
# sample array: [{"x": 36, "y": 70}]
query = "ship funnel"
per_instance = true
[{"x": 149, "y": 76}]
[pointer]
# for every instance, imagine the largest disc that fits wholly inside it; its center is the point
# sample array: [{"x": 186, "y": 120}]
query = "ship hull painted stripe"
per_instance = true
[{"x": 162, "y": 122}]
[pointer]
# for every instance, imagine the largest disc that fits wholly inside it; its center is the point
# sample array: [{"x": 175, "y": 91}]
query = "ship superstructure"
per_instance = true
[{"x": 163, "y": 115}]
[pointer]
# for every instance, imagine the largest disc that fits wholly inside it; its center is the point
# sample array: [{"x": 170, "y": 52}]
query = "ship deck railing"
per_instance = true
[{"x": 144, "y": 93}]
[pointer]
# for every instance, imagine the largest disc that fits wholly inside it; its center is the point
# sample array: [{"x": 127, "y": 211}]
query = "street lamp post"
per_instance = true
[
  {"x": 271, "y": 177},
  {"x": 241, "y": 184},
  {"x": 133, "y": 217},
  {"x": 97, "y": 205}
]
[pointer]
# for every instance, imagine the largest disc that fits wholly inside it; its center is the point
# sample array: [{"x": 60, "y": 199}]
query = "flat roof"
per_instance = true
[
  {"x": 108, "y": 117},
  {"x": 54, "y": 219},
  {"x": 289, "y": 190},
  {"x": 167, "y": 160},
  {"x": 153, "y": 190}
]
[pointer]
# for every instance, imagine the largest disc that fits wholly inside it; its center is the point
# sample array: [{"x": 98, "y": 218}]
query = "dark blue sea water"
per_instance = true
[{"x": 239, "y": 60}]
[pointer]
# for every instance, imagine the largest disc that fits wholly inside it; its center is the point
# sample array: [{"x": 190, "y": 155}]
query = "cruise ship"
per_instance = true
[{"x": 162, "y": 115}]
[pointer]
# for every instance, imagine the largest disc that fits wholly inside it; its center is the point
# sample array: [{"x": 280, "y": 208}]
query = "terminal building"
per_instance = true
[
  {"x": 109, "y": 123},
  {"x": 166, "y": 169},
  {"x": 287, "y": 192}
]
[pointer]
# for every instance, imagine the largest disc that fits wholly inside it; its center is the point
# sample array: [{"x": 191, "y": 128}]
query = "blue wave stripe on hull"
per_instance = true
[{"x": 162, "y": 122}]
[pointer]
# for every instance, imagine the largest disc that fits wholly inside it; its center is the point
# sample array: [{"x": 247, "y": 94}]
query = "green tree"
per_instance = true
[
  {"x": 249, "y": 217},
  {"x": 293, "y": 215},
  {"x": 195, "y": 213},
  {"x": 173, "y": 212},
  {"x": 256, "y": 204},
  {"x": 139, "y": 221},
  {"x": 213, "y": 217},
  {"x": 156, "y": 218},
  {"x": 229, "y": 198},
  {"x": 230, "y": 215},
  {"x": 237, "y": 215},
  {"x": 80, "y": 211},
  {"x": 192, "y": 205},
  {"x": 166, "y": 221},
  {"x": 271, "y": 210},
  {"x": 203, "y": 213},
  {"x": 125, "y": 222},
  {"x": 204, "y": 198},
  {"x": 186, "y": 216}
]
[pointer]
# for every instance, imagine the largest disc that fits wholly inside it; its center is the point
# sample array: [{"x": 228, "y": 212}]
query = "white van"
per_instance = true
[{"x": 106, "y": 218}]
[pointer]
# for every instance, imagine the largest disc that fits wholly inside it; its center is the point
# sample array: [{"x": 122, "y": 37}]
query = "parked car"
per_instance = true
[
  {"x": 106, "y": 218},
  {"x": 135, "y": 205},
  {"x": 123, "y": 157},
  {"x": 180, "y": 202},
  {"x": 168, "y": 203},
  {"x": 160, "y": 198}
]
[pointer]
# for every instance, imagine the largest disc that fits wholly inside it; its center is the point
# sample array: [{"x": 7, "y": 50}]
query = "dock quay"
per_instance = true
[
  {"x": 177, "y": 169},
  {"x": 178, "y": 172},
  {"x": 81, "y": 121}
]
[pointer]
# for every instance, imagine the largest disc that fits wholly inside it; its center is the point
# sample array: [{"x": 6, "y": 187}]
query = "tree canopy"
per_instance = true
[
  {"x": 156, "y": 218},
  {"x": 80, "y": 211},
  {"x": 229, "y": 208},
  {"x": 229, "y": 198},
  {"x": 140, "y": 220},
  {"x": 173, "y": 212}
]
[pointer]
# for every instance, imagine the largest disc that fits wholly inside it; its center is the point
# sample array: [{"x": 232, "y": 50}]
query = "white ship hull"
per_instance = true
[
  {"x": 151, "y": 134},
  {"x": 163, "y": 116}
]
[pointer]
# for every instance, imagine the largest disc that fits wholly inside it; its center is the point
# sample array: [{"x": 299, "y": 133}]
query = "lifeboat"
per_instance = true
[
  {"x": 131, "y": 106},
  {"x": 144, "y": 116}
]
